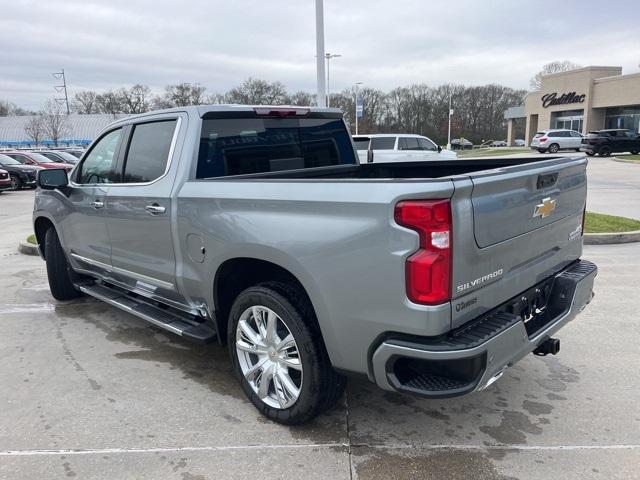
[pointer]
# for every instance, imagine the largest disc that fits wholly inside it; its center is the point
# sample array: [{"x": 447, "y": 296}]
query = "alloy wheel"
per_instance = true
[{"x": 269, "y": 357}]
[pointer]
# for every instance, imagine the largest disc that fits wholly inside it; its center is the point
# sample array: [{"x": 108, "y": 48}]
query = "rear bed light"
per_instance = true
[{"x": 428, "y": 271}]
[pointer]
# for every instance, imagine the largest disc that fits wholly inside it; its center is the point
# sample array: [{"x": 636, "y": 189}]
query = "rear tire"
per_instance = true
[
  {"x": 634, "y": 152},
  {"x": 553, "y": 148},
  {"x": 16, "y": 183},
  {"x": 577, "y": 149},
  {"x": 541, "y": 150},
  {"x": 59, "y": 271},
  {"x": 316, "y": 385},
  {"x": 591, "y": 154}
]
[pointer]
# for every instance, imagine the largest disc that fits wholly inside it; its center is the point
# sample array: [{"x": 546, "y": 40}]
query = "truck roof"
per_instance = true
[{"x": 202, "y": 110}]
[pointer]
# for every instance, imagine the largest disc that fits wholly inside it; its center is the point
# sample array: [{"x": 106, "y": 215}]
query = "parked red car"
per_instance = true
[
  {"x": 33, "y": 158},
  {"x": 5, "y": 180}
]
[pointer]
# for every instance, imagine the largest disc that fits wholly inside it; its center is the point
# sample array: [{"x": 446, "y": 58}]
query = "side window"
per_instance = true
[
  {"x": 99, "y": 165},
  {"x": 575, "y": 134},
  {"x": 426, "y": 144},
  {"x": 383, "y": 143},
  {"x": 148, "y": 151},
  {"x": 408, "y": 143}
]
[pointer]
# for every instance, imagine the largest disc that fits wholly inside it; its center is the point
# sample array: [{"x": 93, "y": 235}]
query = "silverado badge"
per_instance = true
[{"x": 544, "y": 209}]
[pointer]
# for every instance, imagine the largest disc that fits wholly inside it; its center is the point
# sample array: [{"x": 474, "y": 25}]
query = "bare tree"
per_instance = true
[
  {"x": 34, "y": 129},
  {"x": 9, "y": 109},
  {"x": 181, "y": 95},
  {"x": 55, "y": 123},
  {"x": 85, "y": 102},
  {"x": 135, "y": 99},
  {"x": 254, "y": 91},
  {"x": 303, "y": 99},
  {"x": 549, "y": 68},
  {"x": 109, "y": 102}
]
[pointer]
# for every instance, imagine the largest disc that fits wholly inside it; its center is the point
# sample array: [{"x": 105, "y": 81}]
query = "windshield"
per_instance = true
[
  {"x": 68, "y": 157},
  {"x": 5, "y": 160},
  {"x": 42, "y": 159}
]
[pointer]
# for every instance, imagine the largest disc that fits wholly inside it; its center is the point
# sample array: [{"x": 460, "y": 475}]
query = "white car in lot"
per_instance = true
[
  {"x": 396, "y": 147},
  {"x": 555, "y": 140}
]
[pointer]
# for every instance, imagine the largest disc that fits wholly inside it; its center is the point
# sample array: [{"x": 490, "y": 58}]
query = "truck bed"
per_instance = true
[{"x": 401, "y": 170}]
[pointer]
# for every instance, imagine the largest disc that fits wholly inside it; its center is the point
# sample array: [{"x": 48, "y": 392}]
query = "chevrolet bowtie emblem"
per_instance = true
[{"x": 544, "y": 209}]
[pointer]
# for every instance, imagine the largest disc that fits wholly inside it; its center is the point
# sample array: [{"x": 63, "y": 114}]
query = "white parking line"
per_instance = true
[
  {"x": 101, "y": 451},
  {"x": 26, "y": 308}
]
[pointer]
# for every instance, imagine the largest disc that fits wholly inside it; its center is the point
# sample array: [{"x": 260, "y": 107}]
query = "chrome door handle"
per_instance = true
[
  {"x": 155, "y": 209},
  {"x": 97, "y": 204}
]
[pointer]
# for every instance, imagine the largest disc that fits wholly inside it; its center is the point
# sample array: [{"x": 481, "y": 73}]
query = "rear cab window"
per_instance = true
[{"x": 252, "y": 144}]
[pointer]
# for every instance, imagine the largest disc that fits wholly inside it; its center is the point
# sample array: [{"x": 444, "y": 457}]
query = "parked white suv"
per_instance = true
[
  {"x": 400, "y": 148},
  {"x": 554, "y": 140}
]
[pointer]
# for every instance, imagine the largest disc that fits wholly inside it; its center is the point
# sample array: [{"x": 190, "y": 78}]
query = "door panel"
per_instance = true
[
  {"x": 84, "y": 229},
  {"x": 138, "y": 211}
]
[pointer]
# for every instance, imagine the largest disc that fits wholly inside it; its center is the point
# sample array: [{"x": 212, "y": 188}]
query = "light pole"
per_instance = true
[
  {"x": 450, "y": 113},
  {"x": 321, "y": 92},
  {"x": 329, "y": 56},
  {"x": 356, "y": 103}
]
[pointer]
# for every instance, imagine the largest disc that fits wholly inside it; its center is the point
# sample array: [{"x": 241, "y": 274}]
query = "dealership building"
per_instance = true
[{"x": 586, "y": 99}]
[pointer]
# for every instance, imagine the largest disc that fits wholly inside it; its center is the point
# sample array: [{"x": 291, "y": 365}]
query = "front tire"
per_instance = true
[
  {"x": 16, "y": 183},
  {"x": 278, "y": 356},
  {"x": 59, "y": 271}
]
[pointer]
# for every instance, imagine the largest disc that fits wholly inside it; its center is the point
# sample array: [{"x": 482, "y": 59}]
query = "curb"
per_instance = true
[
  {"x": 611, "y": 238},
  {"x": 28, "y": 248},
  {"x": 622, "y": 160}
]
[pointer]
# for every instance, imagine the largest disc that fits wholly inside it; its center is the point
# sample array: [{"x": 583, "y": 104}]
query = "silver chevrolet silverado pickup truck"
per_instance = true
[{"x": 258, "y": 227}]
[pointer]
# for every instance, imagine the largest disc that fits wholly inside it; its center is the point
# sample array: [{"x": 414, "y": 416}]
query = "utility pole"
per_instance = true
[
  {"x": 61, "y": 88},
  {"x": 320, "y": 96},
  {"x": 450, "y": 113},
  {"x": 358, "y": 111},
  {"x": 329, "y": 56}
]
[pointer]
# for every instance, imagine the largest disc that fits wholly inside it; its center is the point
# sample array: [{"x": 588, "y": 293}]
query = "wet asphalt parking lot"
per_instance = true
[{"x": 88, "y": 391}]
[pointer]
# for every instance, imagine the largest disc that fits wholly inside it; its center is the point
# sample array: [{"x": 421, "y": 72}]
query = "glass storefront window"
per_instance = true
[
  {"x": 623, "y": 117},
  {"x": 568, "y": 119}
]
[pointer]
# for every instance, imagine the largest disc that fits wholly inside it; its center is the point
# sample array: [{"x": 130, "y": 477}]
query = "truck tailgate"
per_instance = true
[
  {"x": 527, "y": 226},
  {"x": 511, "y": 203}
]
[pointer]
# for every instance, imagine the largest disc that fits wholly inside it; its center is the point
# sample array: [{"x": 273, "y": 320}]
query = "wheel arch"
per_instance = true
[
  {"x": 239, "y": 273},
  {"x": 40, "y": 226}
]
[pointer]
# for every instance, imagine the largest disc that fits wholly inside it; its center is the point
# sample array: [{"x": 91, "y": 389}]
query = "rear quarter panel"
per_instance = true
[{"x": 337, "y": 237}]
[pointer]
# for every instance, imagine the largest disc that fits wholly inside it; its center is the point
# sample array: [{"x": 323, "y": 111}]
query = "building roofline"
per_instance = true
[
  {"x": 617, "y": 77},
  {"x": 583, "y": 69}
]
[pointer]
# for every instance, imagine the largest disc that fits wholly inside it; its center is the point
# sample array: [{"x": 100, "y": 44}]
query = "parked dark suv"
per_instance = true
[
  {"x": 21, "y": 175},
  {"x": 606, "y": 142}
]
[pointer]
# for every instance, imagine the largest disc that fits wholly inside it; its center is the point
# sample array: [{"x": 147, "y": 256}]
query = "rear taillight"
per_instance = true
[
  {"x": 543, "y": 139},
  {"x": 428, "y": 271}
]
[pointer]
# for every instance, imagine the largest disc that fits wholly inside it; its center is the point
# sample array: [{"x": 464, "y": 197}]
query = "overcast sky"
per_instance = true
[{"x": 109, "y": 44}]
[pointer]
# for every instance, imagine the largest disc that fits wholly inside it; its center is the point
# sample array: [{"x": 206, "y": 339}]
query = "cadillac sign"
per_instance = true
[{"x": 551, "y": 99}]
